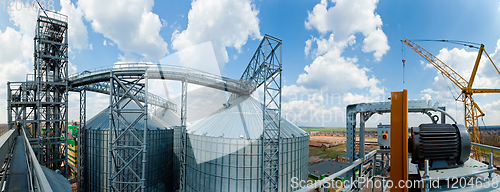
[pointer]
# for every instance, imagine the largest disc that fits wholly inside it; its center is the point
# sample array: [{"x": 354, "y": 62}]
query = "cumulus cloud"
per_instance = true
[
  {"x": 462, "y": 61},
  {"x": 333, "y": 80},
  {"x": 312, "y": 112},
  {"x": 26, "y": 21},
  {"x": 129, "y": 24},
  {"x": 346, "y": 18},
  {"x": 226, "y": 23},
  {"x": 14, "y": 65},
  {"x": 77, "y": 32},
  {"x": 333, "y": 71}
]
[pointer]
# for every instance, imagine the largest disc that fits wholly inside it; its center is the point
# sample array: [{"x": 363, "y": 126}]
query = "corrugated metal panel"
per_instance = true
[
  {"x": 225, "y": 150},
  {"x": 101, "y": 121},
  {"x": 173, "y": 119},
  {"x": 236, "y": 164},
  {"x": 242, "y": 119},
  {"x": 159, "y": 166},
  {"x": 168, "y": 116}
]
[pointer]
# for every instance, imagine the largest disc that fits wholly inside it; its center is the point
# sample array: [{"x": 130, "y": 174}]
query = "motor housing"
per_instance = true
[{"x": 444, "y": 145}]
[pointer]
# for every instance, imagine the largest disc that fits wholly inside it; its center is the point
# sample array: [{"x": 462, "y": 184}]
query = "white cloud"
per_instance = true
[
  {"x": 104, "y": 42},
  {"x": 462, "y": 61},
  {"x": 71, "y": 68},
  {"x": 324, "y": 90},
  {"x": 14, "y": 62},
  {"x": 376, "y": 42},
  {"x": 332, "y": 71},
  {"x": 77, "y": 32},
  {"x": 312, "y": 112},
  {"x": 226, "y": 23},
  {"x": 25, "y": 20},
  {"x": 346, "y": 18},
  {"x": 293, "y": 92},
  {"x": 21, "y": 46},
  {"x": 129, "y": 24},
  {"x": 308, "y": 47}
]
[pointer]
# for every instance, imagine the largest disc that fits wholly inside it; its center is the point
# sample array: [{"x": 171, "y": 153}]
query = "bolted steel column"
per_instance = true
[
  {"x": 145, "y": 137},
  {"x": 81, "y": 140},
  {"x": 110, "y": 133},
  {"x": 361, "y": 153},
  {"x": 183, "y": 135},
  {"x": 9, "y": 107}
]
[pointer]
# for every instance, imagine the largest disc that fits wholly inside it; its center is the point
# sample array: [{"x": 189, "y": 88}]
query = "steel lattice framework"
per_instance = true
[
  {"x": 182, "y": 158},
  {"x": 103, "y": 87},
  {"x": 81, "y": 140},
  {"x": 42, "y": 100},
  {"x": 265, "y": 69},
  {"x": 127, "y": 145},
  {"x": 367, "y": 110}
]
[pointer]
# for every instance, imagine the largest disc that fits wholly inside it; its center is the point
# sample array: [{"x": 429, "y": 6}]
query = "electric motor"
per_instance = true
[{"x": 444, "y": 145}]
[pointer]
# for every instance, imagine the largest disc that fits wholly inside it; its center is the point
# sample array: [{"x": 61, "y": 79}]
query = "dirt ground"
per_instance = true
[{"x": 337, "y": 146}]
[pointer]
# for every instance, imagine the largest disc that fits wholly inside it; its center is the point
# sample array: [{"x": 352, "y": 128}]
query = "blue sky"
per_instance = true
[{"x": 341, "y": 51}]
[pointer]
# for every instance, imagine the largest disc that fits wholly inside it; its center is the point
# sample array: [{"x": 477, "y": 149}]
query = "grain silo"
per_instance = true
[
  {"x": 174, "y": 121},
  {"x": 159, "y": 152},
  {"x": 224, "y": 150}
]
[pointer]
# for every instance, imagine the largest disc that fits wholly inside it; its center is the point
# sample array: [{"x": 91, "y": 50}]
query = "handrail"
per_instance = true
[
  {"x": 138, "y": 65},
  {"x": 168, "y": 72},
  {"x": 337, "y": 174},
  {"x": 38, "y": 181},
  {"x": 486, "y": 146}
]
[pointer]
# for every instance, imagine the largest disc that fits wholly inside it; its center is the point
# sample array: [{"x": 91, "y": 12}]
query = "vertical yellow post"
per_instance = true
[{"x": 399, "y": 139}]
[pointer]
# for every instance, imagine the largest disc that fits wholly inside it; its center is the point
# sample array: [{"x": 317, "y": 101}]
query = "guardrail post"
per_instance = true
[{"x": 491, "y": 165}]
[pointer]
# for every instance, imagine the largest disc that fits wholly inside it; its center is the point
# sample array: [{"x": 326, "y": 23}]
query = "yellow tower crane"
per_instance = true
[{"x": 472, "y": 110}]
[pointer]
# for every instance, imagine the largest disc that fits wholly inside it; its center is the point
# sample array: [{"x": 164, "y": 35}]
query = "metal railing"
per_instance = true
[
  {"x": 37, "y": 180},
  {"x": 169, "y": 72},
  {"x": 491, "y": 161},
  {"x": 328, "y": 179}
]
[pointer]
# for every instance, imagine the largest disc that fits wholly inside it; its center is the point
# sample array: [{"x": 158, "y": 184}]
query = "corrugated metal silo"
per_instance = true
[
  {"x": 224, "y": 150},
  {"x": 174, "y": 120},
  {"x": 159, "y": 153}
]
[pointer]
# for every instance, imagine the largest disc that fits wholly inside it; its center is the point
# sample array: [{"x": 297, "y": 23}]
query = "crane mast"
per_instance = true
[{"x": 472, "y": 112}]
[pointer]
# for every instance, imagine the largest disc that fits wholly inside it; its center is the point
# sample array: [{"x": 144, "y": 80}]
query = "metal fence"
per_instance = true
[{"x": 36, "y": 176}]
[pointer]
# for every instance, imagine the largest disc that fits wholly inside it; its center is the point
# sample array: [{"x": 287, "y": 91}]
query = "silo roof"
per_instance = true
[
  {"x": 168, "y": 116},
  {"x": 241, "y": 119},
  {"x": 101, "y": 120}
]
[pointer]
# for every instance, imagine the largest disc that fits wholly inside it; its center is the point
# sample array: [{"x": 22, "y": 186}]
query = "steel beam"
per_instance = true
[
  {"x": 155, "y": 100},
  {"x": 126, "y": 143},
  {"x": 50, "y": 88},
  {"x": 265, "y": 69},
  {"x": 399, "y": 138},
  {"x": 368, "y": 109},
  {"x": 82, "y": 140},
  {"x": 164, "y": 72},
  {"x": 182, "y": 159}
]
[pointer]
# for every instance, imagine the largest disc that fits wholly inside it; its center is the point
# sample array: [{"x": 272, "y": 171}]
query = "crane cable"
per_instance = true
[
  {"x": 464, "y": 43},
  {"x": 403, "y": 59}
]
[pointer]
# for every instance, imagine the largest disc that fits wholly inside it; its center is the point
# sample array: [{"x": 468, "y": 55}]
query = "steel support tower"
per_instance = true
[
  {"x": 51, "y": 74},
  {"x": 127, "y": 145},
  {"x": 40, "y": 105},
  {"x": 265, "y": 69}
]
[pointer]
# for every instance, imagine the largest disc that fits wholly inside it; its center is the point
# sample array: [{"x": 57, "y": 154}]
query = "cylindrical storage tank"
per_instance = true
[
  {"x": 224, "y": 150},
  {"x": 171, "y": 118},
  {"x": 159, "y": 148}
]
